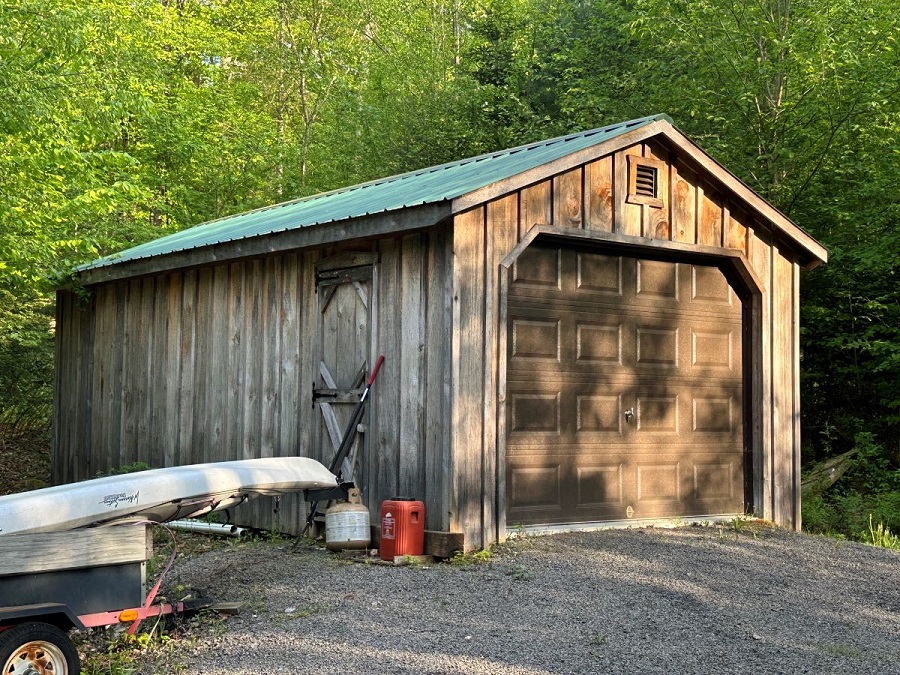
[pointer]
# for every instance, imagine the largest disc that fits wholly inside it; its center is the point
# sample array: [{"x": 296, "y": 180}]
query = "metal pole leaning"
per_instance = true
[{"x": 347, "y": 440}]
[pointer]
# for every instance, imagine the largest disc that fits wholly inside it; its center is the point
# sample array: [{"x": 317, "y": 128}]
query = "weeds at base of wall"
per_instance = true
[
  {"x": 461, "y": 559},
  {"x": 744, "y": 524}
]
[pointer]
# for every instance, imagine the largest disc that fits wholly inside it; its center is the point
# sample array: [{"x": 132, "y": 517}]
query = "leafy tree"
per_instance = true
[{"x": 121, "y": 120}]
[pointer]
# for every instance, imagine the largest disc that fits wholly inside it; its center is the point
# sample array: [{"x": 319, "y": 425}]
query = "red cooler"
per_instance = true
[{"x": 402, "y": 527}]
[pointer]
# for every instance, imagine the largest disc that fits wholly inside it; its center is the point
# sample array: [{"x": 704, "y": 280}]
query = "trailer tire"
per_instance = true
[{"x": 37, "y": 647}]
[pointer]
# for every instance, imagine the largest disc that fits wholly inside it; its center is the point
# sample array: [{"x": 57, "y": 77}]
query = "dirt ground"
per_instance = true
[{"x": 24, "y": 460}]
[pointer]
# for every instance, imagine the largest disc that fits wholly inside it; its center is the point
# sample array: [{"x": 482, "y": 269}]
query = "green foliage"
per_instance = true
[
  {"x": 26, "y": 360},
  {"x": 106, "y": 653},
  {"x": 881, "y": 536},
  {"x": 847, "y": 514},
  {"x": 462, "y": 559},
  {"x": 124, "y": 120}
]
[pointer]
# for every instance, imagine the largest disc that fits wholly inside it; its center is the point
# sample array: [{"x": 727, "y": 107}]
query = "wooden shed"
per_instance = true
[{"x": 597, "y": 328}]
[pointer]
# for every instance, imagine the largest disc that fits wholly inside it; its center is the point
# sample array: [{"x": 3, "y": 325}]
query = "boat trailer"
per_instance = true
[{"x": 54, "y": 582}]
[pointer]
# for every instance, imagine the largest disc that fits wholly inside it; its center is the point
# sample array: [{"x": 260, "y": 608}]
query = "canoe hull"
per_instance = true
[{"x": 159, "y": 495}]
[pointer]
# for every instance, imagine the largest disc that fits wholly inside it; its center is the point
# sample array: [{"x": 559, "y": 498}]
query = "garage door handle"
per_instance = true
[{"x": 629, "y": 414}]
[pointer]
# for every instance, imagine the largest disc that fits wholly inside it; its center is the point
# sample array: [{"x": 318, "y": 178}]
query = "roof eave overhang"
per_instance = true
[
  {"x": 810, "y": 252},
  {"x": 374, "y": 225}
]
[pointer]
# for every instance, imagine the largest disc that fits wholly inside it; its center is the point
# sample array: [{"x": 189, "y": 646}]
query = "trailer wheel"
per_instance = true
[{"x": 37, "y": 649}]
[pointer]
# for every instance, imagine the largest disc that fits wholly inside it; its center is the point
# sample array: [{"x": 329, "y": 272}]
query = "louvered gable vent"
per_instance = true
[
  {"x": 645, "y": 181},
  {"x": 645, "y": 184}
]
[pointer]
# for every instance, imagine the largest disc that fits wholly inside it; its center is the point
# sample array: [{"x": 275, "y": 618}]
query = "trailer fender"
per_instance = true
[{"x": 53, "y": 613}]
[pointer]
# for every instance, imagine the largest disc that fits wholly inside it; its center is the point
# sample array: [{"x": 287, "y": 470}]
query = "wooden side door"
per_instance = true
[{"x": 344, "y": 336}]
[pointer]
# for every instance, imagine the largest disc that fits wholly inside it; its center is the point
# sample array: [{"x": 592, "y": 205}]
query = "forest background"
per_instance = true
[{"x": 124, "y": 120}]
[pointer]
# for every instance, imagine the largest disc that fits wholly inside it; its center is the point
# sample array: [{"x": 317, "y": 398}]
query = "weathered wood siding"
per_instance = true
[
  {"x": 593, "y": 197},
  {"x": 217, "y": 363}
]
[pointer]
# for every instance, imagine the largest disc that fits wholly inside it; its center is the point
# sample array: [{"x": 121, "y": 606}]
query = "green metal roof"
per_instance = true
[{"x": 425, "y": 186}]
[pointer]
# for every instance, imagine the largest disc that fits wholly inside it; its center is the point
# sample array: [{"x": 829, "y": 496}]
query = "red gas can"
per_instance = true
[{"x": 402, "y": 527}]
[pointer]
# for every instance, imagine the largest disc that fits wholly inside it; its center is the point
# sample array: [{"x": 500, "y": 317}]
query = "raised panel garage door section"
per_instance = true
[{"x": 624, "y": 389}]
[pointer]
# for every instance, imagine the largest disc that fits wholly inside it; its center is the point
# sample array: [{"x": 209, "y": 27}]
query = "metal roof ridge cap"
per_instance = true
[
  {"x": 626, "y": 127},
  {"x": 464, "y": 200}
]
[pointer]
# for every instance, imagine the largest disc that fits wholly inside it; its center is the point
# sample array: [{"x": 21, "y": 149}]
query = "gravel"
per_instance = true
[{"x": 686, "y": 600}]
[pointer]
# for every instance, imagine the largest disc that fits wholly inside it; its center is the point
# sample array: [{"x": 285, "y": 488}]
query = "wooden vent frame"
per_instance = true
[{"x": 644, "y": 181}]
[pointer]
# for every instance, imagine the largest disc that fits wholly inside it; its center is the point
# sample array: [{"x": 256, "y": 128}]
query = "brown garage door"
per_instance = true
[{"x": 624, "y": 389}]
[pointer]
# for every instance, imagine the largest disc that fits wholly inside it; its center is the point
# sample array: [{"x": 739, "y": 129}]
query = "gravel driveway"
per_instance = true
[{"x": 688, "y": 600}]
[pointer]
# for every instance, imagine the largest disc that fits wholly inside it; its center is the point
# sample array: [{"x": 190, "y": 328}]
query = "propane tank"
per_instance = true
[{"x": 347, "y": 524}]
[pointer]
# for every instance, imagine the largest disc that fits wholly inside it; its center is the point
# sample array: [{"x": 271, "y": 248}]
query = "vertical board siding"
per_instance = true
[
  {"x": 145, "y": 362},
  {"x": 200, "y": 449},
  {"x": 67, "y": 333},
  {"x": 412, "y": 383},
  {"x": 795, "y": 413},
  {"x": 761, "y": 259},
  {"x": 101, "y": 319},
  {"x": 288, "y": 358},
  {"x": 218, "y": 376},
  {"x": 536, "y": 207},
  {"x": 233, "y": 358},
  {"x": 297, "y": 417},
  {"x": 736, "y": 231},
  {"x": 183, "y": 368},
  {"x": 172, "y": 409},
  {"x": 709, "y": 231},
  {"x": 468, "y": 374},
  {"x": 782, "y": 389},
  {"x": 305, "y": 336},
  {"x": 73, "y": 385},
  {"x": 684, "y": 202},
  {"x": 657, "y": 220},
  {"x": 502, "y": 228},
  {"x": 568, "y": 200},
  {"x": 122, "y": 452},
  {"x": 69, "y": 329},
  {"x": 254, "y": 337},
  {"x": 160, "y": 394},
  {"x": 598, "y": 195},
  {"x": 384, "y": 448},
  {"x": 438, "y": 422},
  {"x": 115, "y": 382},
  {"x": 188, "y": 365},
  {"x": 271, "y": 381}
]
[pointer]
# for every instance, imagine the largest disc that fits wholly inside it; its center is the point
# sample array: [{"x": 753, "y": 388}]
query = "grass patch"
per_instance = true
[
  {"x": 112, "y": 652},
  {"x": 837, "y": 649},
  {"x": 461, "y": 559},
  {"x": 519, "y": 573},
  {"x": 851, "y": 515},
  {"x": 881, "y": 536}
]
